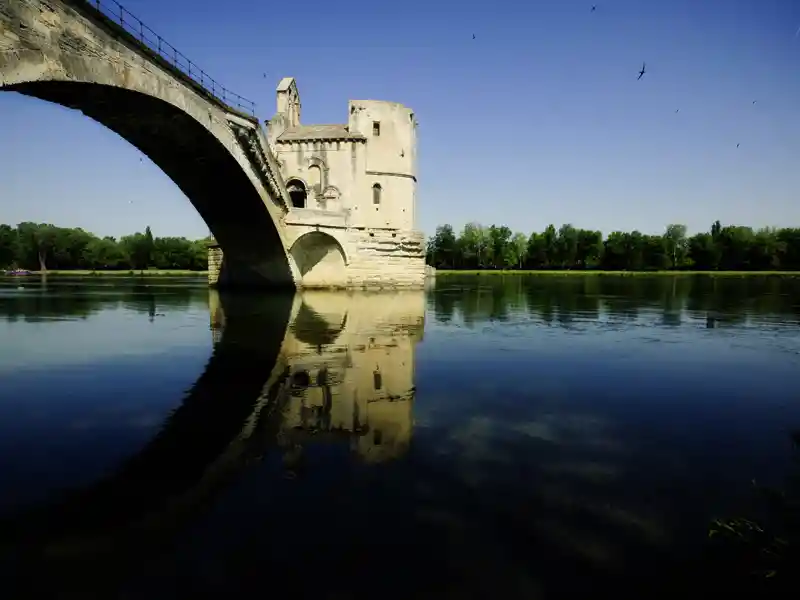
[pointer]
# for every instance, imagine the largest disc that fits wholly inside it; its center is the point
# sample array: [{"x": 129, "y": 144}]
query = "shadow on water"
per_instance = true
[{"x": 196, "y": 450}]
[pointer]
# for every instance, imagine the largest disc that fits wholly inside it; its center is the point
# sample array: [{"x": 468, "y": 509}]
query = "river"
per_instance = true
[{"x": 517, "y": 437}]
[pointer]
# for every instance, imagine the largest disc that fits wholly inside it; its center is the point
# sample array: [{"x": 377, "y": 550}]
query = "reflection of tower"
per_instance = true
[{"x": 356, "y": 385}]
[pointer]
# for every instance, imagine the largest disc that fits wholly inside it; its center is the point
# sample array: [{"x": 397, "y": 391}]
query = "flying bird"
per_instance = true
[
  {"x": 677, "y": 109},
  {"x": 641, "y": 73},
  {"x": 594, "y": 7},
  {"x": 473, "y": 36},
  {"x": 737, "y": 145}
]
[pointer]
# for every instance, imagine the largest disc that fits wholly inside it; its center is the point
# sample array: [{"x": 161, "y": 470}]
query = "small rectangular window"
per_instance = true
[{"x": 376, "y": 128}]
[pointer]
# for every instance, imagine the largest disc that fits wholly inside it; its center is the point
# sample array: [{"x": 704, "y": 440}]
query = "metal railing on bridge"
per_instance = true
[{"x": 120, "y": 15}]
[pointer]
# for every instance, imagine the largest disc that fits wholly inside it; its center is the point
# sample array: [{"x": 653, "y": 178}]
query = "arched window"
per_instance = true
[
  {"x": 297, "y": 192},
  {"x": 376, "y": 193}
]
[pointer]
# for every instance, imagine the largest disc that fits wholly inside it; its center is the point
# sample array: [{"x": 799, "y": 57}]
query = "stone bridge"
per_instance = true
[{"x": 96, "y": 57}]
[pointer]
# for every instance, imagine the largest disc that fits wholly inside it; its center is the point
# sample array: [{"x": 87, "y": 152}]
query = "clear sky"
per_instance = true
[{"x": 539, "y": 119}]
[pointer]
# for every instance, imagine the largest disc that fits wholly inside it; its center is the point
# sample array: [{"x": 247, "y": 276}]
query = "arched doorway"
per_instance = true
[
  {"x": 297, "y": 193},
  {"x": 320, "y": 259}
]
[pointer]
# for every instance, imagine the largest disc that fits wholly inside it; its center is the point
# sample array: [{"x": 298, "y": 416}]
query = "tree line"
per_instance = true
[
  {"x": 726, "y": 248},
  {"x": 41, "y": 247}
]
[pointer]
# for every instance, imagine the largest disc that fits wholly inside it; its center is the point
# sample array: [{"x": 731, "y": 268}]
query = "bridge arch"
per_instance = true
[
  {"x": 84, "y": 62},
  {"x": 321, "y": 260}
]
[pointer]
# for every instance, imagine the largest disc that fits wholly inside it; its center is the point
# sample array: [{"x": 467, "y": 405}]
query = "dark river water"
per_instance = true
[{"x": 517, "y": 437}]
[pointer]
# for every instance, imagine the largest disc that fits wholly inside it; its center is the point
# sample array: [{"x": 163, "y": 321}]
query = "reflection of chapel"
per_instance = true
[
  {"x": 352, "y": 384},
  {"x": 364, "y": 169}
]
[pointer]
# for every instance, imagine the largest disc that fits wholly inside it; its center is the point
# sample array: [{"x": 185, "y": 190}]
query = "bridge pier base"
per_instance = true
[
  {"x": 214, "y": 263},
  {"x": 222, "y": 273},
  {"x": 374, "y": 260}
]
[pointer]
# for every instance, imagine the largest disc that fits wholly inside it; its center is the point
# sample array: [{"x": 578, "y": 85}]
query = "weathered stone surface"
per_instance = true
[{"x": 214, "y": 264}]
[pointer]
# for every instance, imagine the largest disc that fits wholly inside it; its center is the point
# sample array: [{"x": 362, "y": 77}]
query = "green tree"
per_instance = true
[
  {"x": 139, "y": 249},
  {"x": 8, "y": 246},
  {"x": 499, "y": 251},
  {"x": 35, "y": 244},
  {"x": 676, "y": 245},
  {"x": 147, "y": 247},
  {"x": 519, "y": 249},
  {"x": 589, "y": 252},
  {"x": 442, "y": 249},
  {"x": 474, "y": 242},
  {"x": 104, "y": 253},
  {"x": 567, "y": 246}
]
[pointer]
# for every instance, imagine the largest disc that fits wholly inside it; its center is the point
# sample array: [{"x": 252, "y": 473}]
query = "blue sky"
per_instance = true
[{"x": 538, "y": 120}]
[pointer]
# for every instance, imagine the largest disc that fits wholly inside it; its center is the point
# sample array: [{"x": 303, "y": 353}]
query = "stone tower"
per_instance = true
[
  {"x": 352, "y": 188},
  {"x": 390, "y": 165}
]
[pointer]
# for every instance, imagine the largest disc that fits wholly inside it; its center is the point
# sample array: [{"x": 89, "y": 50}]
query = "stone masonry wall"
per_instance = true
[
  {"x": 382, "y": 258},
  {"x": 376, "y": 259},
  {"x": 214, "y": 263}
]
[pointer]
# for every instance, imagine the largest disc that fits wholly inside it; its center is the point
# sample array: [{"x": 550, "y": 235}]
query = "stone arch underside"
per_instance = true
[
  {"x": 81, "y": 65},
  {"x": 320, "y": 260}
]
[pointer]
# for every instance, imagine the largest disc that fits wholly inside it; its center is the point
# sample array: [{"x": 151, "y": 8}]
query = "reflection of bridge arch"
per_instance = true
[
  {"x": 313, "y": 329},
  {"x": 68, "y": 53},
  {"x": 197, "y": 448}
]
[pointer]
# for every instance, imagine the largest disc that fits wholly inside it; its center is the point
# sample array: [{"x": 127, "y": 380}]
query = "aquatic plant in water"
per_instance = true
[{"x": 765, "y": 550}]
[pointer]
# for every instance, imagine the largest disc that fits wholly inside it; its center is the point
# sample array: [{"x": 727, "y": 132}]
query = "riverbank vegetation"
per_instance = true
[
  {"x": 45, "y": 247},
  {"x": 730, "y": 248}
]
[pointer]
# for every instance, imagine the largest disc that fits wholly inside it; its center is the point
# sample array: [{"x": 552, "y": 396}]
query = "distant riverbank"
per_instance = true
[
  {"x": 578, "y": 272},
  {"x": 122, "y": 273}
]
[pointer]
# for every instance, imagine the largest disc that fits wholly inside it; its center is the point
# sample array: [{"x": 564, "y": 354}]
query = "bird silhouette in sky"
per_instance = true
[
  {"x": 677, "y": 109},
  {"x": 594, "y": 7},
  {"x": 473, "y": 36},
  {"x": 754, "y": 101},
  {"x": 737, "y": 145},
  {"x": 641, "y": 73}
]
